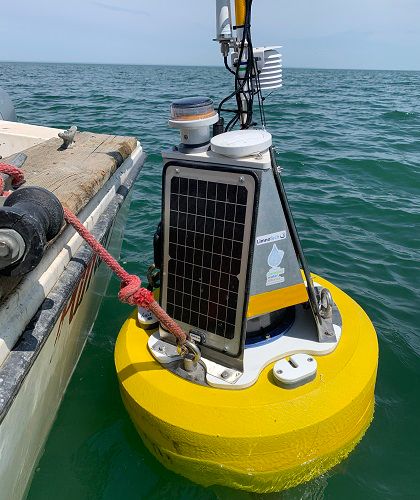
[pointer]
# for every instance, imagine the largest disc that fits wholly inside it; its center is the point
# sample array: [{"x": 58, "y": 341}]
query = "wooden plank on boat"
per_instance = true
[{"x": 74, "y": 175}]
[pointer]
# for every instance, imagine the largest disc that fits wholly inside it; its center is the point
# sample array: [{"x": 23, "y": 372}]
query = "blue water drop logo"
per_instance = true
[{"x": 275, "y": 257}]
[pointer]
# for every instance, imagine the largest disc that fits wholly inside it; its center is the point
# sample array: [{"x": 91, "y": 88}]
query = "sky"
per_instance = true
[{"x": 365, "y": 34}]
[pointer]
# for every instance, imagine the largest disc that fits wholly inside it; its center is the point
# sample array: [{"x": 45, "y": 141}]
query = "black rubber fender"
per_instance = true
[
  {"x": 37, "y": 215},
  {"x": 49, "y": 203}
]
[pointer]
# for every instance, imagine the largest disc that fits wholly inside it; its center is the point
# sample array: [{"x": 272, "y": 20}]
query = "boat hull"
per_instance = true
[
  {"x": 35, "y": 374},
  {"x": 263, "y": 438},
  {"x": 29, "y": 419}
]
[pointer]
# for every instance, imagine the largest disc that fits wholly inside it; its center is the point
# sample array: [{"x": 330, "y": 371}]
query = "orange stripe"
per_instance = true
[{"x": 267, "y": 302}]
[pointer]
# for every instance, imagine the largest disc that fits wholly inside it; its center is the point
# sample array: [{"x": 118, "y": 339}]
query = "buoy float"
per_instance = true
[{"x": 264, "y": 438}]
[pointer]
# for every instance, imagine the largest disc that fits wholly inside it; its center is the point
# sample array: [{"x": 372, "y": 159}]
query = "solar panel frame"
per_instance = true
[{"x": 195, "y": 313}]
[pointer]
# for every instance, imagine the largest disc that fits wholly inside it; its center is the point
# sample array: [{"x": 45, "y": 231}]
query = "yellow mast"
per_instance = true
[{"x": 240, "y": 11}]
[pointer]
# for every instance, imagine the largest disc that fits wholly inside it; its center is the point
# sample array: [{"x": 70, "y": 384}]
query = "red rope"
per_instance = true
[
  {"x": 14, "y": 172},
  {"x": 131, "y": 290}
]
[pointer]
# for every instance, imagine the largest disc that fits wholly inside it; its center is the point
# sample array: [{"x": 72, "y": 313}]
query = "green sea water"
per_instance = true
[{"x": 349, "y": 144}]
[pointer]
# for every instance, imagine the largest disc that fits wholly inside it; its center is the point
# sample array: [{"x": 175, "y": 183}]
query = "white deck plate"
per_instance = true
[
  {"x": 295, "y": 371},
  {"x": 301, "y": 338}
]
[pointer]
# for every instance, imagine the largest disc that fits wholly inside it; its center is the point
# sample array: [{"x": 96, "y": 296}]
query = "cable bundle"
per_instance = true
[{"x": 246, "y": 80}]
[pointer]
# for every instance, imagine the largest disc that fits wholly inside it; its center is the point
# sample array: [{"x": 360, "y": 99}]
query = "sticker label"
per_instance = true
[
  {"x": 198, "y": 337},
  {"x": 276, "y": 273},
  {"x": 271, "y": 238}
]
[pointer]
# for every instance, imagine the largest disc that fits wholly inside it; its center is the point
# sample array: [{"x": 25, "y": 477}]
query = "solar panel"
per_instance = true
[{"x": 206, "y": 251}]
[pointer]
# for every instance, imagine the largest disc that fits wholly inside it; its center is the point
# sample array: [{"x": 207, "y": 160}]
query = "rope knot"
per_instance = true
[{"x": 132, "y": 292}]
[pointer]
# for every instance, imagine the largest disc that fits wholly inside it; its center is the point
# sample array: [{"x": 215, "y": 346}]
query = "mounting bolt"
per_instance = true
[
  {"x": 241, "y": 179},
  {"x": 310, "y": 360},
  {"x": 279, "y": 372},
  {"x": 225, "y": 374},
  {"x": 4, "y": 249},
  {"x": 12, "y": 247}
]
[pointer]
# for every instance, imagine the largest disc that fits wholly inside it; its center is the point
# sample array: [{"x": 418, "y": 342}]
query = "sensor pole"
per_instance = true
[{"x": 323, "y": 320}]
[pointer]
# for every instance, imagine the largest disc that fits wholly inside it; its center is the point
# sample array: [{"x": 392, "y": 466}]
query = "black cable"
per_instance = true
[
  {"x": 232, "y": 123},
  {"x": 238, "y": 85},
  {"x": 260, "y": 99},
  {"x": 241, "y": 95},
  {"x": 225, "y": 100},
  {"x": 225, "y": 60},
  {"x": 245, "y": 76},
  {"x": 248, "y": 94}
]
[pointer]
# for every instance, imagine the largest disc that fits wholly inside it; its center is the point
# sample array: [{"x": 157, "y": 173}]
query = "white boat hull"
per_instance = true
[
  {"x": 36, "y": 371},
  {"x": 25, "y": 428}
]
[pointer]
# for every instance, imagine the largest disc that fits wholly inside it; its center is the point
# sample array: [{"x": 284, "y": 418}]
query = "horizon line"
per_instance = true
[{"x": 196, "y": 65}]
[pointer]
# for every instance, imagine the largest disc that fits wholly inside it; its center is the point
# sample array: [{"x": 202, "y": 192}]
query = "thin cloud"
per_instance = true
[{"x": 118, "y": 8}]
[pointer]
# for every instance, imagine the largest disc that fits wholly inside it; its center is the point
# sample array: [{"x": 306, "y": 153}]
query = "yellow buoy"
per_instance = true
[{"x": 264, "y": 438}]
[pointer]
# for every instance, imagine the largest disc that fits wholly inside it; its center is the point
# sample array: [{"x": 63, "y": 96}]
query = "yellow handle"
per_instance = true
[{"x": 240, "y": 11}]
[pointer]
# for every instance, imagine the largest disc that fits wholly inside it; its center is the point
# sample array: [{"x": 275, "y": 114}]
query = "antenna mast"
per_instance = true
[{"x": 255, "y": 69}]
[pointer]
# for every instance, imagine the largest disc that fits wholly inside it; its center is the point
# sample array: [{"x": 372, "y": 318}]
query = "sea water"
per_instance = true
[{"x": 349, "y": 145}]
